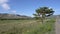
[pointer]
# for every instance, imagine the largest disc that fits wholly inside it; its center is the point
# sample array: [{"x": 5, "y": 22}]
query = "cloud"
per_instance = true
[
  {"x": 14, "y": 11},
  {"x": 3, "y": 1},
  {"x": 4, "y": 4}
]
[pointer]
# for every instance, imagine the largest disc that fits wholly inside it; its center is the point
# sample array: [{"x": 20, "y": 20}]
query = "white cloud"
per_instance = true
[
  {"x": 5, "y": 6},
  {"x": 14, "y": 11},
  {"x": 3, "y": 1}
]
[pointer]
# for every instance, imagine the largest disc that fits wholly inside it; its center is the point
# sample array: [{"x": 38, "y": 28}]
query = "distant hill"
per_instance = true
[
  {"x": 53, "y": 16},
  {"x": 17, "y": 16},
  {"x": 13, "y": 16}
]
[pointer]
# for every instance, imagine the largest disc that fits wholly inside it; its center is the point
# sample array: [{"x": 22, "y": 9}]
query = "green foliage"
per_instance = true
[
  {"x": 43, "y": 12},
  {"x": 26, "y": 27}
]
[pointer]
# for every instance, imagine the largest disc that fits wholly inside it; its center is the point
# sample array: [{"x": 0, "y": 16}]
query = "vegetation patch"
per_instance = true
[{"x": 27, "y": 27}]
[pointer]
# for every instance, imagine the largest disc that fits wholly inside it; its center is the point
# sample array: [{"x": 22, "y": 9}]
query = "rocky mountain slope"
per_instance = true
[{"x": 13, "y": 16}]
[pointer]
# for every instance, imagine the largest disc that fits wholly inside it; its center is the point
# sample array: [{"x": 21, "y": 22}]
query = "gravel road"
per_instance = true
[{"x": 57, "y": 24}]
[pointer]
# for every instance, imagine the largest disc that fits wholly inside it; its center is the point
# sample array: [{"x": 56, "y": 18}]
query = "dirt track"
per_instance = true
[{"x": 57, "y": 24}]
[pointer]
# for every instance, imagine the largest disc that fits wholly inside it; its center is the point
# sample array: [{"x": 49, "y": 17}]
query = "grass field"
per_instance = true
[{"x": 26, "y": 27}]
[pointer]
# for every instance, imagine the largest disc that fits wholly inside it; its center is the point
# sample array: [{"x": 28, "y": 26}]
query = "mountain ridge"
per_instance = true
[{"x": 13, "y": 16}]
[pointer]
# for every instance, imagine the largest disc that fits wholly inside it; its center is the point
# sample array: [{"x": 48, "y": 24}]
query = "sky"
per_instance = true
[{"x": 27, "y": 7}]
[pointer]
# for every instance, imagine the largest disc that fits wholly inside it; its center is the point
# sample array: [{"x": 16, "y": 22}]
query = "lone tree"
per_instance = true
[{"x": 43, "y": 12}]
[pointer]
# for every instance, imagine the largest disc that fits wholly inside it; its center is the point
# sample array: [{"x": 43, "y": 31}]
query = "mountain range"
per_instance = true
[
  {"x": 17, "y": 16},
  {"x": 13, "y": 16}
]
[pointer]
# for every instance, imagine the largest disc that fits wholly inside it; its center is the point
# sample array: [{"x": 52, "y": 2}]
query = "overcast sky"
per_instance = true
[{"x": 27, "y": 7}]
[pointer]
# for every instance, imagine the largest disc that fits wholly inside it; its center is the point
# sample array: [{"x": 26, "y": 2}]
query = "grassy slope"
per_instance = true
[{"x": 26, "y": 27}]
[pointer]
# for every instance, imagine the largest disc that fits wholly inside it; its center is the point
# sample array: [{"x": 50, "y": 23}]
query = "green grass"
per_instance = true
[{"x": 26, "y": 27}]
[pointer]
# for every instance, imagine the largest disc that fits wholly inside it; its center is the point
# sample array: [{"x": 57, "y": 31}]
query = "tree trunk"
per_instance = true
[{"x": 43, "y": 18}]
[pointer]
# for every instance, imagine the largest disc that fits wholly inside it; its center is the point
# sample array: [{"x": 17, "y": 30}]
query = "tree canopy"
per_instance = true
[{"x": 43, "y": 12}]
